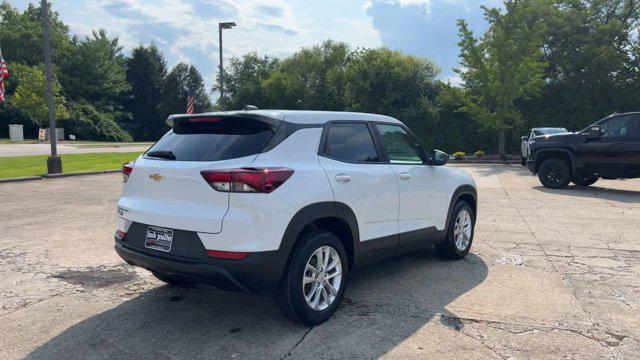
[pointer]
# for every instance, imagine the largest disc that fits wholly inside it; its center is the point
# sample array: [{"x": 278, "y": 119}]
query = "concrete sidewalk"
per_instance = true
[
  {"x": 66, "y": 148},
  {"x": 552, "y": 274}
]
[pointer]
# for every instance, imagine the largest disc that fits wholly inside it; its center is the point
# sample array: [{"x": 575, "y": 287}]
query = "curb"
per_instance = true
[
  {"x": 484, "y": 162},
  {"x": 55, "y": 176},
  {"x": 20, "y": 179},
  {"x": 63, "y": 175}
]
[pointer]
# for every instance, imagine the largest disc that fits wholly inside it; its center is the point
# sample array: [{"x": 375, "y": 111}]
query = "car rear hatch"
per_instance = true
[{"x": 166, "y": 188}]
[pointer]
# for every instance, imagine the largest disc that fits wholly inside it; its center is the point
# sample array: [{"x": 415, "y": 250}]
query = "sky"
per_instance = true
[{"x": 187, "y": 31}]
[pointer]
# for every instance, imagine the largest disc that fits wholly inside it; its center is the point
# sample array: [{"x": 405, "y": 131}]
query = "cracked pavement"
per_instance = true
[{"x": 552, "y": 274}]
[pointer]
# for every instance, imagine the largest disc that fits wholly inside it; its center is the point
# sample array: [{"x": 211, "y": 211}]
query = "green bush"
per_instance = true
[
  {"x": 88, "y": 123},
  {"x": 478, "y": 153},
  {"x": 459, "y": 155}
]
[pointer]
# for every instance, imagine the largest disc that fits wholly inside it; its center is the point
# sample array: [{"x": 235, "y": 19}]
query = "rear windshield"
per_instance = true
[
  {"x": 214, "y": 138},
  {"x": 553, "y": 131}
]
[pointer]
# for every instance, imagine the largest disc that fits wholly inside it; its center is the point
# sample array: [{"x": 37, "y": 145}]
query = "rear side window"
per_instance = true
[
  {"x": 214, "y": 138},
  {"x": 350, "y": 142}
]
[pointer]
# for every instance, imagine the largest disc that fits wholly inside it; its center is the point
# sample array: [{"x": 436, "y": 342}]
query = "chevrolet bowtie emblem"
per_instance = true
[{"x": 156, "y": 177}]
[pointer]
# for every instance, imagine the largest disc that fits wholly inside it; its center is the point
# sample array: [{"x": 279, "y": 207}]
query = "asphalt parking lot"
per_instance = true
[{"x": 552, "y": 274}]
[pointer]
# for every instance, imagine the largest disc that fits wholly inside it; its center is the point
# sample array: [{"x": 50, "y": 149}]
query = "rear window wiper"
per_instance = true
[{"x": 164, "y": 154}]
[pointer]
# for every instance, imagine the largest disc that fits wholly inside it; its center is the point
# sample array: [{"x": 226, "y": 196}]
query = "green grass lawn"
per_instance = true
[
  {"x": 21, "y": 166},
  {"x": 26, "y": 141},
  {"x": 96, "y": 144},
  {"x": 81, "y": 143}
]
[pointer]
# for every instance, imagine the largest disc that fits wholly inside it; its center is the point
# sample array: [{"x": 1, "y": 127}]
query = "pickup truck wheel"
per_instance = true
[
  {"x": 459, "y": 234},
  {"x": 314, "y": 282},
  {"x": 584, "y": 180},
  {"x": 554, "y": 173}
]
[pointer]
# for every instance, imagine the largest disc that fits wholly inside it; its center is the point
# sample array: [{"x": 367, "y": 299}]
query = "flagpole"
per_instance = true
[{"x": 54, "y": 163}]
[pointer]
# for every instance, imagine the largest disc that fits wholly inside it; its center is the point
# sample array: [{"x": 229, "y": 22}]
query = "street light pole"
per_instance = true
[
  {"x": 54, "y": 163},
  {"x": 222, "y": 25}
]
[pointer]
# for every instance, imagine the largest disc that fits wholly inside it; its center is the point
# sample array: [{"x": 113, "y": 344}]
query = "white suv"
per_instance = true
[{"x": 288, "y": 200}]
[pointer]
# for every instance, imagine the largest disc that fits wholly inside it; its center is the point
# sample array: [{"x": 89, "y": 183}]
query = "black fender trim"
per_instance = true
[
  {"x": 572, "y": 158},
  {"x": 309, "y": 214},
  {"x": 459, "y": 192}
]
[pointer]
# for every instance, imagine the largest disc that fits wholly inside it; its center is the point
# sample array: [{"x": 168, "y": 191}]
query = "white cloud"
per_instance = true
[{"x": 422, "y": 3}]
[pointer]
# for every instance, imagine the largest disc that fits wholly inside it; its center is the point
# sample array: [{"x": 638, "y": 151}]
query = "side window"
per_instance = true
[
  {"x": 401, "y": 147},
  {"x": 618, "y": 127},
  {"x": 351, "y": 142}
]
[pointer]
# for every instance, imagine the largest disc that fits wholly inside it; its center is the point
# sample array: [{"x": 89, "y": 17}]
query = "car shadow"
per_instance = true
[
  {"x": 595, "y": 192},
  {"x": 384, "y": 304}
]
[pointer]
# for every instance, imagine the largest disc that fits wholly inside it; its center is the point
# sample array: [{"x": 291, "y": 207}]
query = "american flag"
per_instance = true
[
  {"x": 190, "y": 101},
  {"x": 3, "y": 74}
]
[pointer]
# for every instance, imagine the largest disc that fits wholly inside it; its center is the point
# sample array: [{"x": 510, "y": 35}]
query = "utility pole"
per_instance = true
[
  {"x": 54, "y": 163},
  {"x": 222, "y": 25}
]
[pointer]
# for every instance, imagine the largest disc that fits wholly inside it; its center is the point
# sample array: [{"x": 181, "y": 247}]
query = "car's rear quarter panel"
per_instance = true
[{"x": 257, "y": 222}]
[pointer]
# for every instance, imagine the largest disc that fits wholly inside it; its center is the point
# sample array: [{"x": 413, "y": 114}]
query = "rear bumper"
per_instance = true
[
  {"x": 256, "y": 273},
  {"x": 531, "y": 165}
]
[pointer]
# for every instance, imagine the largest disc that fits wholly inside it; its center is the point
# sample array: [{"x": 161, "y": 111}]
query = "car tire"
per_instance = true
[
  {"x": 554, "y": 173},
  {"x": 300, "y": 285},
  {"x": 460, "y": 232},
  {"x": 173, "y": 281},
  {"x": 579, "y": 180}
]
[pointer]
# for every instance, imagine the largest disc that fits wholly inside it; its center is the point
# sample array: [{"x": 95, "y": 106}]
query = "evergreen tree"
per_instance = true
[
  {"x": 146, "y": 72},
  {"x": 181, "y": 82}
]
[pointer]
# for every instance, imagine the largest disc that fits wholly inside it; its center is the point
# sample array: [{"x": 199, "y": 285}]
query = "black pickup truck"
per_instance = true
[{"x": 608, "y": 149}]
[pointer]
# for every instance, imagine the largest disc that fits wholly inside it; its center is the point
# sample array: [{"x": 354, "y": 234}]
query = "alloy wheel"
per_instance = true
[
  {"x": 462, "y": 230},
  {"x": 322, "y": 278}
]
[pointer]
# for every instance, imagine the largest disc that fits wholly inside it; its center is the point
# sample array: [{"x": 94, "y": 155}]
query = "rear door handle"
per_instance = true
[
  {"x": 343, "y": 178},
  {"x": 405, "y": 176}
]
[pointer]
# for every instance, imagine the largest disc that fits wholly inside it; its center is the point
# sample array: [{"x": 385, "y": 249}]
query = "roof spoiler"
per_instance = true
[
  {"x": 173, "y": 119},
  {"x": 170, "y": 120}
]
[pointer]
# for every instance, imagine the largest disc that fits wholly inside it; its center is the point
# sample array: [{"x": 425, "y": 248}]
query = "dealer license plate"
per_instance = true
[{"x": 159, "y": 238}]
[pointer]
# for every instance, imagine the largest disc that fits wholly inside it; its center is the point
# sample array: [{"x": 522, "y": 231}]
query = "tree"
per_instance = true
[
  {"x": 504, "y": 66},
  {"x": 183, "y": 81},
  {"x": 21, "y": 35},
  {"x": 282, "y": 90},
  {"x": 31, "y": 98},
  {"x": 592, "y": 69},
  {"x": 314, "y": 74},
  {"x": 243, "y": 79},
  {"x": 96, "y": 72},
  {"x": 88, "y": 123},
  {"x": 94, "y": 81},
  {"x": 384, "y": 81},
  {"x": 146, "y": 72}
]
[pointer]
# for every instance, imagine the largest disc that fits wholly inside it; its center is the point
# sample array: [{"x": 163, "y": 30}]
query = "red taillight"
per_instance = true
[
  {"x": 120, "y": 234},
  {"x": 229, "y": 255},
  {"x": 261, "y": 180},
  {"x": 126, "y": 171}
]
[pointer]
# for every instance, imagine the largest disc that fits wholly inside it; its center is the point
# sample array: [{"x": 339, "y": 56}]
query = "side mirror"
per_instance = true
[
  {"x": 525, "y": 138},
  {"x": 594, "y": 132},
  {"x": 439, "y": 158}
]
